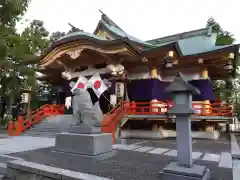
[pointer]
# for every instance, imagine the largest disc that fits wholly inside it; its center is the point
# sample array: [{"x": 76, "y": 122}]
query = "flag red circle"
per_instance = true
[
  {"x": 80, "y": 86},
  {"x": 97, "y": 84}
]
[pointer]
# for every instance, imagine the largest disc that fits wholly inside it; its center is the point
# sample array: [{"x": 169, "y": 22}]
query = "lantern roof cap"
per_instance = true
[{"x": 180, "y": 84}]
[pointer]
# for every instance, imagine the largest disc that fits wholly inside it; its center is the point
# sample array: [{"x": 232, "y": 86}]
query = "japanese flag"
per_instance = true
[
  {"x": 97, "y": 85},
  {"x": 81, "y": 83}
]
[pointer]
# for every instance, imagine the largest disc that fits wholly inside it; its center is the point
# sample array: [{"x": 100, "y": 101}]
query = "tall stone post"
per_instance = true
[{"x": 181, "y": 92}]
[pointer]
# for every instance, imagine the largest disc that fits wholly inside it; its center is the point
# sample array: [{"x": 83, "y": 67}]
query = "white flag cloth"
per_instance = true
[
  {"x": 68, "y": 102},
  {"x": 97, "y": 85},
  {"x": 81, "y": 83}
]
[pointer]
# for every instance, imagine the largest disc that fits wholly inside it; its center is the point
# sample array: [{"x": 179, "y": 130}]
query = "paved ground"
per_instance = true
[
  {"x": 137, "y": 159},
  {"x": 24, "y": 143},
  {"x": 237, "y": 135},
  {"x": 127, "y": 164},
  {"x": 202, "y": 145}
]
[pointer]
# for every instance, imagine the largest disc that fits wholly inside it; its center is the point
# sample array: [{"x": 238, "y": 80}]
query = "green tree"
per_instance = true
[
  {"x": 17, "y": 73},
  {"x": 229, "y": 94},
  {"x": 17, "y": 49},
  {"x": 56, "y": 36},
  {"x": 223, "y": 37}
]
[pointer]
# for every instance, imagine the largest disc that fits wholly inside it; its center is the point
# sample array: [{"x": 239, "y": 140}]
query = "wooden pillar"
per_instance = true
[
  {"x": 228, "y": 86},
  {"x": 206, "y": 103},
  {"x": 204, "y": 73},
  {"x": 154, "y": 72}
]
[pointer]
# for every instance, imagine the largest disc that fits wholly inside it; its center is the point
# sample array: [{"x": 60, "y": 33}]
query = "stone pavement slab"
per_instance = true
[
  {"x": 225, "y": 160},
  {"x": 24, "y": 143},
  {"x": 235, "y": 149},
  {"x": 127, "y": 165},
  {"x": 199, "y": 145}
]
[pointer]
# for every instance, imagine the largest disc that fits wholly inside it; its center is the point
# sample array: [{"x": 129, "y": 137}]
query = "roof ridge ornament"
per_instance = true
[
  {"x": 74, "y": 28},
  {"x": 109, "y": 21}
]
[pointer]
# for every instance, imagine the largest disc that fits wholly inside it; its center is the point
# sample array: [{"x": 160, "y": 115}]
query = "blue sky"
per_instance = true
[{"x": 144, "y": 19}]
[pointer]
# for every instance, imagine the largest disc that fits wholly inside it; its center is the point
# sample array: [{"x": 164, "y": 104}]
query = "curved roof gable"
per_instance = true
[
  {"x": 82, "y": 33},
  {"x": 111, "y": 26}
]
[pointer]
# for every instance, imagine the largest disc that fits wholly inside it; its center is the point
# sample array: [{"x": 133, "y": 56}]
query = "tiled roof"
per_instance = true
[
  {"x": 189, "y": 43},
  {"x": 82, "y": 33}
]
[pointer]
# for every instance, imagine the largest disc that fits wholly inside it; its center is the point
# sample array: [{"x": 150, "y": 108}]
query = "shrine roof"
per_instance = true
[
  {"x": 119, "y": 32},
  {"x": 82, "y": 33},
  {"x": 187, "y": 43},
  {"x": 192, "y": 42}
]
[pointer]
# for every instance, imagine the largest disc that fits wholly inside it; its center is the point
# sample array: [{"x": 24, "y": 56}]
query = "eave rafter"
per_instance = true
[{"x": 74, "y": 50}]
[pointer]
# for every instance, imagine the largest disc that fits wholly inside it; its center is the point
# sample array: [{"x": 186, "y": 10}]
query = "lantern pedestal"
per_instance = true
[{"x": 177, "y": 172}]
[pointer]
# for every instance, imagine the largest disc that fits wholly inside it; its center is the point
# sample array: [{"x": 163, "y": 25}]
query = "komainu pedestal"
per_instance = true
[{"x": 85, "y": 142}]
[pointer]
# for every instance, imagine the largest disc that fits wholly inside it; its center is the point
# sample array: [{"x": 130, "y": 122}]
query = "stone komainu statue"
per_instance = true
[{"x": 83, "y": 110}]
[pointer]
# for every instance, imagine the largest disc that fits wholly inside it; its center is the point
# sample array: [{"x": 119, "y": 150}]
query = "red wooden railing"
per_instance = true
[
  {"x": 201, "y": 109},
  {"x": 23, "y": 123},
  {"x": 112, "y": 119}
]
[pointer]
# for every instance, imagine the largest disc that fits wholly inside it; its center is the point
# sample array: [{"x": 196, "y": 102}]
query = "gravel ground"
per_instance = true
[{"x": 125, "y": 165}]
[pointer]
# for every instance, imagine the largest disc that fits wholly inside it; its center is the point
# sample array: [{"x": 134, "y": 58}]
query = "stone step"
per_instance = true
[
  {"x": 48, "y": 129},
  {"x": 41, "y": 135},
  {"x": 43, "y": 132},
  {"x": 51, "y": 126}
]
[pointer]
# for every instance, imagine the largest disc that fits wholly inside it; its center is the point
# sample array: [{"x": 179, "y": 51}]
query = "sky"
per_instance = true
[{"x": 144, "y": 19}]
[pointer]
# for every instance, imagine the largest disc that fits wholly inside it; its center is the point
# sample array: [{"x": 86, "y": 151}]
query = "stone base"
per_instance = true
[
  {"x": 86, "y": 146},
  {"x": 83, "y": 157},
  {"x": 84, "y": 130},
  {"x": 174, "y": 171}
]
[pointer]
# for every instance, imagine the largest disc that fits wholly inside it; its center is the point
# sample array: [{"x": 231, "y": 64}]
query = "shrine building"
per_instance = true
[{"x": 138, "y": 71}]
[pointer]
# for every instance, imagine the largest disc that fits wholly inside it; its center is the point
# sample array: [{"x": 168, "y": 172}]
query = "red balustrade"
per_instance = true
[
  {"x": 145, "y": 108},
  {"x": 15, "y": 128},
  {"x": 112, "y": 119},
  {"x": 160, "y": 107}
]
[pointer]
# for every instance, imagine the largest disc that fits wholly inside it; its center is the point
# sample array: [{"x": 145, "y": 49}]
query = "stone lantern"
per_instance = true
[{"x": 181, "y": 92}]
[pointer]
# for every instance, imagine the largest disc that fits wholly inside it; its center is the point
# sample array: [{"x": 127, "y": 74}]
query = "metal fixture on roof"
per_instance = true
[
  {"x": 228, "y": 67},
  {"x": 175, "y": 62},
  {"x": 74, "y": 54},
  {"x": 116, "y": 70},
  {"x": 74, "y": 28},
  {"x": 200, "y": 60},
  {"x": 231, "y": 56},
  {"x": 144, "y": 60},
  {"x": 169, "y": 60}
]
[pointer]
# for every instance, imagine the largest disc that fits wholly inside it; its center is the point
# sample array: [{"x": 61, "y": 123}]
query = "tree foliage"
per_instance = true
[
  {"x": 16, "y": 49},
  {"x": 223, "y": 37},
  {"x": 232, "y": 93},
  {"x": 11, "y": 11},
  {"x": 56, "y": 36}
]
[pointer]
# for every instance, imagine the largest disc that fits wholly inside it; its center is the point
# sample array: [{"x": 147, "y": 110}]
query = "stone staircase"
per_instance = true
[{"x": 51, "y": 126}]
